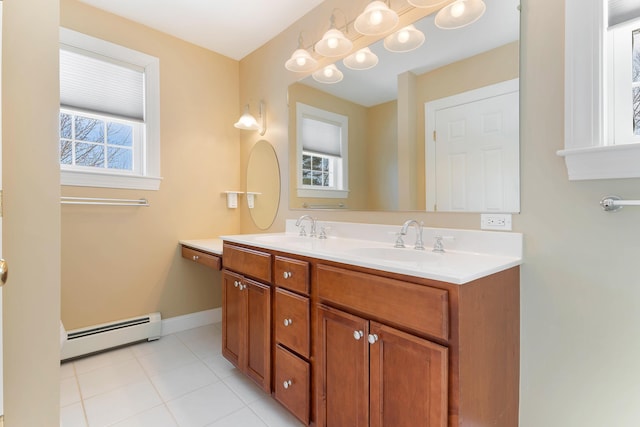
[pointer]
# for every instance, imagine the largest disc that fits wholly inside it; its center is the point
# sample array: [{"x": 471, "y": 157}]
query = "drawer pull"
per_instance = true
[
  {"x": 288, "y": 322},
  {"x": 242, "y": 286},
  {"x": 286, "y": 384},
  {"x": 373, "y": 338},
  {"x": 196, "y": 257},
  {"x": 357, "y": 335},
  {"x": 287, "y": 274},
  {"x": 236, "y": 283}
]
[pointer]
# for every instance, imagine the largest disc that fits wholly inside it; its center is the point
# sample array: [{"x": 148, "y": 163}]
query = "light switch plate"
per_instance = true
[{"x": 495, "y": 222}]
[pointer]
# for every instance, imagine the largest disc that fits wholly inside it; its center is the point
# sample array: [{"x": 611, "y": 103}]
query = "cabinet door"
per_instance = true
[
  {"x": 342, "y": 386},
  {"x": 258, "y": 349},
  {"x": 233, "y": 319},
  {"x": 408, "y": 379}
]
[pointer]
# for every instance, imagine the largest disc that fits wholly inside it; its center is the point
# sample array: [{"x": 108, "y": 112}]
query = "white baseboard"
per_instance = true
[{"x": 191, "y": 320}]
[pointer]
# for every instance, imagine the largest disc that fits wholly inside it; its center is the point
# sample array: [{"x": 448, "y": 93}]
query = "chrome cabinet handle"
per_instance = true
[
  {"x": 287, "y": 274},
  {"x": 236, "y": 283},
  {"x": 288, "y": 322},
  {"x": 196, "y": 257},
  {"x": 357, "y": 335},
  {"x": 242, "y": 287},
  {"x": 286, "y": 384},
  {"x": 373, "y": 338}
]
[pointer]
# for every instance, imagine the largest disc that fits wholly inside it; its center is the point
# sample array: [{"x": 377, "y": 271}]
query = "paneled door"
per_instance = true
[{"x": 473, "y": 144}]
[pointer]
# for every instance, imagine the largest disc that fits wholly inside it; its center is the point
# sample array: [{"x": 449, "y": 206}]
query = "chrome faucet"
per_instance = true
[
  {"x": 313, "y": 225},
  {"x": 418, "y": 225}
]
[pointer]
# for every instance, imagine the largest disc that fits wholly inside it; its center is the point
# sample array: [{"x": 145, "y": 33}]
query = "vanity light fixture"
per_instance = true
[
  {"x": 404, "y": 40},
  {"x": 361, "y": 60},
  {"x": 329, "y": 74},
  {"x": 301, "y": 60},
  {"x": 334, "y": 42},
  {"x": 426, "y": 3},
  {"x": 459, "y": 14},
  {"x": 248, "y": 122},
  {"x": 376, "y": 19}
]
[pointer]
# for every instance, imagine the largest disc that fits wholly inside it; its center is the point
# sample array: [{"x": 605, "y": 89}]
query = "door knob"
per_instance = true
[
  {"x": 357, "y": 335},
  {"x": 373, "y": 338},
  {"x": 4, "y": 271}
]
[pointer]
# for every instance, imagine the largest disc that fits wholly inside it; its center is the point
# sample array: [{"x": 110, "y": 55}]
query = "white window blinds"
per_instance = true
[
  {"x": 320, "y": 137},
  {"x": 623, "y": 10},
  {"x": 97, "y": 84}
]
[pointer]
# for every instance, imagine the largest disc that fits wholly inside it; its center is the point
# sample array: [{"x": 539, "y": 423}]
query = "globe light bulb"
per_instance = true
[
  {"x": 301, "y": 61},
  {"x": 332, "y": 43},
  {"x": 403, "y": 36},
  {"x": 375, "y": 18},
  {"x": 360, "y": 57},
  {"x": 457, "y": 10},
  {"x": 328, "y": 72}
]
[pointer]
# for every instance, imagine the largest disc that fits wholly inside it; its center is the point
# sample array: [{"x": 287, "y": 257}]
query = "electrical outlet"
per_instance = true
[{"x": 495, "y": 222}]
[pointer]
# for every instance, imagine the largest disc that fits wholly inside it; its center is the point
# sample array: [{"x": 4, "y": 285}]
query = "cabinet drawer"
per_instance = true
[
  {"x": 249, "y": 262},
  {"x": 292, "y": 321},
  {"x": 418, "y": 308},
  {"x": 203, "y": 258},
  {"x": 292, "y": 387},
  {"x": 292, "y": 274}
]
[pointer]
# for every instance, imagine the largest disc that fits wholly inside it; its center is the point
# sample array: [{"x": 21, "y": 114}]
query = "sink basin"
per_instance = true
[{"x": 397, "y": 254}]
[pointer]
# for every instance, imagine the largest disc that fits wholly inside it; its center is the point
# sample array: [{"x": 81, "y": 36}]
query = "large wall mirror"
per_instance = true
[{"x": 392, "y": 113}]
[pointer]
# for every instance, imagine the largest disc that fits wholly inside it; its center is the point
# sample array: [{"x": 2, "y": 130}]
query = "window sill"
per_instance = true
[
  {"x": 109, "y": 180},
  {"x": 323, "y": 194},
  {"x": 606, "y": 162}
]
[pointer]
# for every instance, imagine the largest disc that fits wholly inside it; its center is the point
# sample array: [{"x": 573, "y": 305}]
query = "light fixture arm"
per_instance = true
[{"x": 262, "y": 115}]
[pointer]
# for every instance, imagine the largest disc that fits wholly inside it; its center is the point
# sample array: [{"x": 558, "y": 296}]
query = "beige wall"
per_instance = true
[
  {"x": 580, "y": 344},
  {"x": 382, "y": 156},
  {"x": 123, "y": 262}
]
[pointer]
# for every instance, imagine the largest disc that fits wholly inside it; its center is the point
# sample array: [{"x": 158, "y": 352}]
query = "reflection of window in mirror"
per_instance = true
[{"x": 322, "y": 164}]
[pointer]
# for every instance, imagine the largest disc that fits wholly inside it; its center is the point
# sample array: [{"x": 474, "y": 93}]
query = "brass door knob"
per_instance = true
[{"x": 4, "y": 270}]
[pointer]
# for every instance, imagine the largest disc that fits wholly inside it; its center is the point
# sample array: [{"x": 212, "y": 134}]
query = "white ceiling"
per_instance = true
[{"x": 233, "y": 28}]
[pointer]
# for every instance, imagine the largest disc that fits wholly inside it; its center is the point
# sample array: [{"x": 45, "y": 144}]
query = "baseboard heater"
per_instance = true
[{"x": 85, "y": 341}]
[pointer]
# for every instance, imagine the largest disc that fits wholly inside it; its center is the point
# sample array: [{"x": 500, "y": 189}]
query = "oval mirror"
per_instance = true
[{"x": 263, "y": 184}]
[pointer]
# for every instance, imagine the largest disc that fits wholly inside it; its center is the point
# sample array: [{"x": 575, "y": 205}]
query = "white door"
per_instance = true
[{"x": 476, "y": 151}]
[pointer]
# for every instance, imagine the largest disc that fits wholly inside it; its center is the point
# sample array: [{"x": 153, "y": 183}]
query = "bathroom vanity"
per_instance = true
[{"x": 345, "y": 331}]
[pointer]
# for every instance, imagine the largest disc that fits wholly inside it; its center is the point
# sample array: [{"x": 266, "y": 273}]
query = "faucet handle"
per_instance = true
[
  {"x": 323, "y": 232},
  {"x": 399, "y": 241},
  {"x": 303, "y": 232},
  {"x": 438, "y": 247}
]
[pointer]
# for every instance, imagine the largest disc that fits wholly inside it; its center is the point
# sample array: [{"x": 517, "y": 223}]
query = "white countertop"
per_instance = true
[
  {"x": 213, "y": 246},
  {"x": 469, "y": 255}
]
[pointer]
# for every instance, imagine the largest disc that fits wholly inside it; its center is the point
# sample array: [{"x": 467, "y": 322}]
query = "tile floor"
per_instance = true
[{"x": 181, "y": 380}]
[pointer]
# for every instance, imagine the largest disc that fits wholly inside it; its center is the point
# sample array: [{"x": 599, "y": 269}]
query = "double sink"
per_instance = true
[{"x": 372, "y": 246}]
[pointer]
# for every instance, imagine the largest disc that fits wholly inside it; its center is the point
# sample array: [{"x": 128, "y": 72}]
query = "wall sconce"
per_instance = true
[
  {"x": 301, "y": 60},
  {"x": 361, "y": 60},
  {"x": 404, "y": 40},
  {"x": 329, "y": 74},
  {"x": 376, "y": 19},
  {"x": 248, "y": 122},
  {"x": 459, "y": 14},
  {"x": 334, "y": 42}
]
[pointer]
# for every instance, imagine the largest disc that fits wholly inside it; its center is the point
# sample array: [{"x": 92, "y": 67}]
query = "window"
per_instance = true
[
  {"x": 624, "y": 82},
  {"x": 109, "y": 114},
  {"x": 322, "y": 140},
  {"x": 600, "y": 122}
]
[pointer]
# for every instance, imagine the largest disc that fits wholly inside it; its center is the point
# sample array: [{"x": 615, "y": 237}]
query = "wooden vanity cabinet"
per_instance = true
[
  {"x": 372, "y": 374},
  {"x": 246, "y": 313},
  {"x": 292, "y": 331},
  {"x": 341, "y": 345}
]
